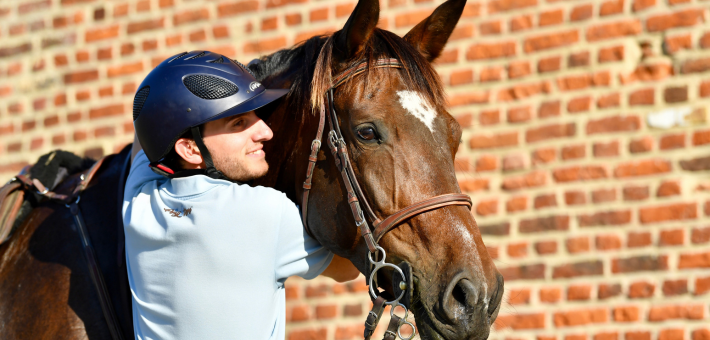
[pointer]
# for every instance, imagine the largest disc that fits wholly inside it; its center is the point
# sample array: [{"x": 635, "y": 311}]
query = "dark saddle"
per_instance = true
[{"x": 62, "y": 177}]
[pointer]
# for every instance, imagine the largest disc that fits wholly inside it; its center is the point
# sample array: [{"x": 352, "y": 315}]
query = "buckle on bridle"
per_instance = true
[{"x": 314, "y": 142}]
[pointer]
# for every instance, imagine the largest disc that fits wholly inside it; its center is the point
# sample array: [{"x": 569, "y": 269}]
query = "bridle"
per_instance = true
[{"x": 357, "y": 200}]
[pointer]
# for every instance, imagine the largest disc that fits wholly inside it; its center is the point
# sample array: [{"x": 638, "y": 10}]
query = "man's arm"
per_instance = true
[{"x": 341, "y": 270}]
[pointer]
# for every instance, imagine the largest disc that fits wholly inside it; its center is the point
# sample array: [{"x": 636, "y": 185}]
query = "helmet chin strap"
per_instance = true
[{"x": 210, "y": 170}]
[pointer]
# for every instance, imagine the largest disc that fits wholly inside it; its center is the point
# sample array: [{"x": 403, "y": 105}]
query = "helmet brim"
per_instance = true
[{"x": 256, "y": 102}]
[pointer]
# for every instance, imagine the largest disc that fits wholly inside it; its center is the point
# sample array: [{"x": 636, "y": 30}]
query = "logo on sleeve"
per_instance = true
[{"x": 178, "y": 213}]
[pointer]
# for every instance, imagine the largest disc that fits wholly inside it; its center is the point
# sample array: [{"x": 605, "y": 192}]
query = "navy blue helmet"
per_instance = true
[{"x": 187, "y": 90}]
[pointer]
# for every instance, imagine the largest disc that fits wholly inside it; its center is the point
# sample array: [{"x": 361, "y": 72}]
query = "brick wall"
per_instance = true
[{"x": 586, "y": 141}]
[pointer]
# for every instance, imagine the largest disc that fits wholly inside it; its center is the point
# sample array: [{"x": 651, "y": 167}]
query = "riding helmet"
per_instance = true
[{"x": 187, "y": 90}]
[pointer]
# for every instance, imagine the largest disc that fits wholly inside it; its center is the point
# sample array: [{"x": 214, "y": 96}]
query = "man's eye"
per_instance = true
[
  {"x": 367, "y": 133},
  {"x": 239, "y": 122}
]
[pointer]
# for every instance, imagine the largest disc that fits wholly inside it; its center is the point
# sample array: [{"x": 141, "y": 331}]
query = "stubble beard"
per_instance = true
[{"x": 239, "y": 171}]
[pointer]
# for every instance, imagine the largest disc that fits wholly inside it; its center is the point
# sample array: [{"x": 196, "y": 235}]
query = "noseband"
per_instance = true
[{"x": 357, "y": 200}]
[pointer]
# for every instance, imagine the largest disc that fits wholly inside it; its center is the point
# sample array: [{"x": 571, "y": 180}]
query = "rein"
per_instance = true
[{"x": 357, "y": 201}]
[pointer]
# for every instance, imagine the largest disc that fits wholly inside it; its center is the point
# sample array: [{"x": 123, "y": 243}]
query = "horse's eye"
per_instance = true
[{"x": 367, "y": 133}]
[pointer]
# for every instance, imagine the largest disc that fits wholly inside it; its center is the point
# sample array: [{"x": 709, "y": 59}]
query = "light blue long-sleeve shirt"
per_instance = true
[{"x": 207, "y": 259}]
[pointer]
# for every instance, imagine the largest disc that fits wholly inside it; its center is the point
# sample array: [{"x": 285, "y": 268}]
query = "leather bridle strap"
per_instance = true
[{"x": 415, "y": 209}]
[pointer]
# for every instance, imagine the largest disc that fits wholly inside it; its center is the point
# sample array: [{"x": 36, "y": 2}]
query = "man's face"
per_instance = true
[{"x": 235, "y": 144}]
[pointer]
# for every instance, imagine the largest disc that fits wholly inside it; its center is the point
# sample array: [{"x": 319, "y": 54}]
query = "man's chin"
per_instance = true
[{"x": 250, "y": 174}]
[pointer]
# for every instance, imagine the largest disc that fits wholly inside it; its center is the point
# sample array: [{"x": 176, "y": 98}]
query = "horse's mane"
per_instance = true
[{"x": 313, "y": 78}]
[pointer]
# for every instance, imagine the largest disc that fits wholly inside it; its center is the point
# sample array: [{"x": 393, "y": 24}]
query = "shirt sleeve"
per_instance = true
[{"x": 299, "y": 253}]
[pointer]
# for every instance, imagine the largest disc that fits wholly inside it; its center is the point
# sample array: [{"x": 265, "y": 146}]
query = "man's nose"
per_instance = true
[{"x": 263, "y": 132}]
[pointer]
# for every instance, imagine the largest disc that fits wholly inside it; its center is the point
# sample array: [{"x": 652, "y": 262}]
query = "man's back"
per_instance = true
[{"x": 208, "y": 258}]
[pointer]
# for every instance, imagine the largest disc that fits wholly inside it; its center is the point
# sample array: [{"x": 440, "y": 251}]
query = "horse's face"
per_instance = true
[{"x": 402, "y": 148}]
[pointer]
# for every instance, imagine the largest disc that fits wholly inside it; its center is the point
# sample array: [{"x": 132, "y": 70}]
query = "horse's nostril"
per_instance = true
[{"x": 459, "y": 295}]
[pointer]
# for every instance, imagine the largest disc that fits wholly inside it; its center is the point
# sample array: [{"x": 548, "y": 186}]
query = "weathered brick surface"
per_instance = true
[{"x": 596, "y": 214}]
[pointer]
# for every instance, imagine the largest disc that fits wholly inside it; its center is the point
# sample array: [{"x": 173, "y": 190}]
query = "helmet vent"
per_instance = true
[
  {"x": 139, "y": 100},
  {"x": 219, "y": 60},
  {"x": 209, "y": 87},
  {"x": 196, "y": 56},
  {"x": 178, "y": 57},
  {"x": 244, "y": 67}
]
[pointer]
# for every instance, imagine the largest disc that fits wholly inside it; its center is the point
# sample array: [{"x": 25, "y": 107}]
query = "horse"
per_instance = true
[{"x": 401, "y": 145}]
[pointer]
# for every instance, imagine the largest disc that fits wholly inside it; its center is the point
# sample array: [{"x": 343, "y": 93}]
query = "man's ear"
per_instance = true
[{"x": 188, "y": 151}]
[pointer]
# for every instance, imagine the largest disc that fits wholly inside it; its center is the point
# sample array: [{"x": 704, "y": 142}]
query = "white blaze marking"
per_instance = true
[{"x": 415, "y": 104}]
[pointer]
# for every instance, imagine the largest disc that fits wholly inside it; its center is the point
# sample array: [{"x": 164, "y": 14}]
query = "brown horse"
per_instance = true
[{"x": 402, "y": 143}]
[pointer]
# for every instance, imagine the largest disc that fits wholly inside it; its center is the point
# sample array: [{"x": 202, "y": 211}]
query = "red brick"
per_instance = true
[
  {"x": 494, "y": 141},
  {"x": 487, "y": 207},
  {"x": 308, "y": 334},
  {"x": 640, "y": 5},
  {"x": 550, "y": 295},
  {"x": 553, "y": 17},
  {"x": 411, "y": 18},
  {"x": 700, "y": 235},
  {"x": 684, "y": 18},
  {"x": 573, "y": 152},
  {"x": 508, "y": 5},
  {"x": 626, "y": 314},
  {"x": 546, "y": 247},
  {"x": 523, "y": 272},
  {"x": 125, "y": 69},
  {"x": 705, "y": 87},
  {"x": 606, "y": 336},
  {"x": 636, "y": 193},
  {"x": 610, "y": 149},
  {"x": 582, "y": 12},
  {"x": 640, "y": 290},
  {"x": 518, "y": 69},
  {"x": 489, "y": 117},
  {"x": 613, "y": 30},
  {"x": 579, "y": 173},
  {"x": 490, "y": 50},
  {"x": 580, "y": 317},
  {"x": 269, "y": 24},
  {"x": 549, "y": 109},
  {"x": 549, "y": 64},
  {"x": 524, "y": 90},
  {"x": 530, "y": 180},
  {"x": 578, "y": 245},
  {"x": 607, "y": 291},
  {"x": 471, "y": 185},
  {"x": 326, "y": 311},
  {"x": 265, "y": 45},
  {"x": 677, "y": 43},
  {"x": 668, "y": 188},
  {"x": 639, "y": 263},
  {"x": 576, "y": 82},
  {"x": 552, "y": 223},
  {"x": 519, "y": 114},
  {"x": 702, "y": 285},
  {"x": 675, "y": 287},
  {"x": 468, "y": 98},
  {"x": 543, "y": 201},
  {"x": 575, "y": 198},
  {"x": 514, "y": 162},
  {"x": 579, "y": 104},
  {"x": 293, "y": 19},
  {"x": 549, "y": 132},
  {"x": 611, "y": 54},
  {"x": 611, "y": 7},
  {"x": 82, "y": 56},
  {"x": 548, "y": 41},
  {"x": 518, "y": 249},
  {"x": 671, "y": 212},
  {"x": 186, "y": 17},
  {"x": 701, "y": 137},
  {"x": 608, "y": 242},
  {"x": 579, "y": 292},
  {"x": 701, "y": 334},
  {"x": 578, "y": 59},
  {"x": 493, "y": 73},
  {"x": 486, "y": 163},
  {"x": 81, "y": 76},
  {"x": 695, "y": 66},
  {"x": 669, "y": 312},
  {"x": 640, "y": 239},
  {"x": 520, "y": 321},
  {"x": 605, "y": 218},
  {"x": 614, "y": 124},
  {"x": 642, "y": 168},
  {"x": 637, "y": 335},
  {"x": 586, "y": 268},
  {"x": 519, "y": 297},
  {"x": 102, "y": 33},
  {"x": 676, "y": 94},
  {"x": 671, "y": 334},
  {"x": 644, "y": 144},
  {"x": 461, "y": 77},
  {"x": 698, "y": 260},
  {"x": 674, "y": 141},
  {"x": 491, "y": 27},
  {"x": 516, "y": 204},
  {"x": 145, "y": 25}
]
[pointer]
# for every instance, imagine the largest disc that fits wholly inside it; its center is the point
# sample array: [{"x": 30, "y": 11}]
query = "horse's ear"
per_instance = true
[
  {"x": 357, "y": 30},
  {"x": 430, "y": 35}
]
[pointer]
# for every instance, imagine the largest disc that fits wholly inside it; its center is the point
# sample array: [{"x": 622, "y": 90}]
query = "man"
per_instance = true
[{"x": 208, "y": 256}]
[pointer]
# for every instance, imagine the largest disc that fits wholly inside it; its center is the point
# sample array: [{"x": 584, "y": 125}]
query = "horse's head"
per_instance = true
[{"x": 402, "y": 143}]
